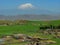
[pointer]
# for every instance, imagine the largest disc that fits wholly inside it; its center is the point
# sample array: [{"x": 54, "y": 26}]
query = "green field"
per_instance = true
[{"x": 31, "y": 28}]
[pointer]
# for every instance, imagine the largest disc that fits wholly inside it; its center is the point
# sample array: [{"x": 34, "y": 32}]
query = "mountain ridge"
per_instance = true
[{"x": 30, "y": 17}]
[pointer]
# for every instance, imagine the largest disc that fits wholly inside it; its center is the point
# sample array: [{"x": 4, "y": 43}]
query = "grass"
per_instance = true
[
  {"x": 18, "y": 29},
  {"x": 31, "y": 29}
]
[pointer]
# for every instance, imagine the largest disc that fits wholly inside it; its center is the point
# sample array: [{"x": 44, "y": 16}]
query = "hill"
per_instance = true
[{"x": 30, "y": 17}]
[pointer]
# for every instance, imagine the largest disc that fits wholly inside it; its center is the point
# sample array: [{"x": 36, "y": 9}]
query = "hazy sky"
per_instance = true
[{"x": 16, "y": 7}]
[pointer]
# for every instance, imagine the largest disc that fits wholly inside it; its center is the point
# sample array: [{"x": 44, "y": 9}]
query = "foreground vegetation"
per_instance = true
[{"x": 30, "y": 28}]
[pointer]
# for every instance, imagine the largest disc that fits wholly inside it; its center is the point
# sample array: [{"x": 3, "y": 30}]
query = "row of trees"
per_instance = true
[{"x": 50, "y": 27}]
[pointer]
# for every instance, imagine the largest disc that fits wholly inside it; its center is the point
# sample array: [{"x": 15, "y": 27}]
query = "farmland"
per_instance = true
[{"x": 30, "y": 28}]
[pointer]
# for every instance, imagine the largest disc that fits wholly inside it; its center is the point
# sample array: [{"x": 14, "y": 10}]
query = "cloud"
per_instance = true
[{"x": 26, "y": 6}]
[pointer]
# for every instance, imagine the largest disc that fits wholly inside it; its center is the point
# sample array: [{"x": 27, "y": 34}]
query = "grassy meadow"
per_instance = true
[{"x": 31, "y": 28}]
